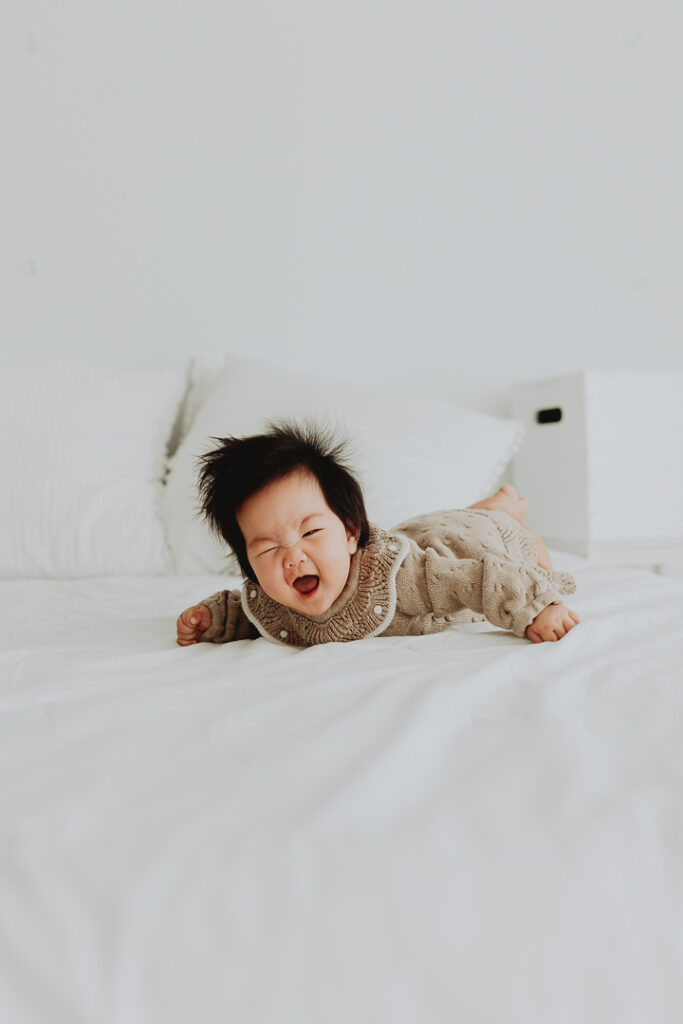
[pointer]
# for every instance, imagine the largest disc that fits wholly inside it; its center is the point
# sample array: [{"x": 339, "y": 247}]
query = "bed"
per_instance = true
[{"x": 457, "y": 827}]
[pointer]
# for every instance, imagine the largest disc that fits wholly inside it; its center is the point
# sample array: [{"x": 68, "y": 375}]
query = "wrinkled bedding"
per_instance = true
[{"x": 462, "y": 827}]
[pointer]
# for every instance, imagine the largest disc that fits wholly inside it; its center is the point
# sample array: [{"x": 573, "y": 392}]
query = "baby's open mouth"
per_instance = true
[{"x": 306, "y": 585}]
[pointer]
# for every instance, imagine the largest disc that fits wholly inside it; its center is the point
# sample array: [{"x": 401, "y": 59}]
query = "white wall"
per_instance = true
[{"x": 470, "y": 194}]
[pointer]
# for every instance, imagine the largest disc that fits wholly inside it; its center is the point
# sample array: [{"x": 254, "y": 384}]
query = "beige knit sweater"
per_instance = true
[{"x": 427, "y": 574}]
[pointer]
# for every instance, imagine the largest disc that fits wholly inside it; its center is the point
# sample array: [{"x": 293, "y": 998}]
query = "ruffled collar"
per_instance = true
[{"x": 365, "y": 607}]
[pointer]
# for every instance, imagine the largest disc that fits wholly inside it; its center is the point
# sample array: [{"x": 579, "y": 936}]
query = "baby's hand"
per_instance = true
[
  {"x": 551, "y": 624},
  {"x": 192, "y": 623}
]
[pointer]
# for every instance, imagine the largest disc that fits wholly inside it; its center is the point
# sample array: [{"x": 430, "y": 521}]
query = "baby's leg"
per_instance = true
[
  {"x": 543, "y": 553},
  {"x": 505, "y": 500}
]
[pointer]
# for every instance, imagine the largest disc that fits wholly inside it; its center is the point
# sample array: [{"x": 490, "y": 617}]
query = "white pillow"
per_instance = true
[
  {"x": 411, "y": 455},
  {"x": 81, "y": 463}
]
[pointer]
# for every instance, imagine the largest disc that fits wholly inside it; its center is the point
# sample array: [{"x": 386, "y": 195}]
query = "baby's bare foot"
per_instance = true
[{"x": 505, "y": 500}]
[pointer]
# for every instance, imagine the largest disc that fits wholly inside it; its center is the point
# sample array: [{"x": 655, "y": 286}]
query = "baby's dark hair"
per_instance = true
[{"x": 242, "y": 466}]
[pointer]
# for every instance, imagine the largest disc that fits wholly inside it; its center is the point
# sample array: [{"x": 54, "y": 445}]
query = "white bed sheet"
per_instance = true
[{"x": 463, "y": 827}]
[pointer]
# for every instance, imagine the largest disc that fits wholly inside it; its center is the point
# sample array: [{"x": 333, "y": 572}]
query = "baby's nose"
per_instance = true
[{"x": 294, "y": 556}]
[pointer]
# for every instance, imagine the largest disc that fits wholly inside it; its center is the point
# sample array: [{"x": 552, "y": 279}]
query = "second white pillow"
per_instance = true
[{"x": 81, "y": 466}]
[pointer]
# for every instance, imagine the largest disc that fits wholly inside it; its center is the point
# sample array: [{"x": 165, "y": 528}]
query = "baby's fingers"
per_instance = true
[
  {"x": 200, "y": 617},
  {"x": 186, "y": 633},
  {"x": 192, "y": 623}
]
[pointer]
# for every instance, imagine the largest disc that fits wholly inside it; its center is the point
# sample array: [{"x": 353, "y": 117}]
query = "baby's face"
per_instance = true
[{"x": 299, "y": 549}]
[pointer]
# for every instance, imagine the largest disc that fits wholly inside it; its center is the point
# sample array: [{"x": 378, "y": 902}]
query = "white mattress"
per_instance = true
[{"x": 457, "y": 828}]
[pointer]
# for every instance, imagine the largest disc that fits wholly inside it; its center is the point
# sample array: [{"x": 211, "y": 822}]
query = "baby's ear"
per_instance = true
[{"x": 352, "y": 535}]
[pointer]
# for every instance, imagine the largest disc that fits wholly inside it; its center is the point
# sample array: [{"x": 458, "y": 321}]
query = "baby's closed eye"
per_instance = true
[{"x": 276, "y": 547}]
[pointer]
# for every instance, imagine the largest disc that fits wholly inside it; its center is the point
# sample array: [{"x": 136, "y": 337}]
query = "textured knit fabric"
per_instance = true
[{"x": 427, "y": 574}]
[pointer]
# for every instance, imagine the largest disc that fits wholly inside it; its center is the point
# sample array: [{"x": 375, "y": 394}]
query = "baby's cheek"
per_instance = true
[{"x": 268, "y": 583}]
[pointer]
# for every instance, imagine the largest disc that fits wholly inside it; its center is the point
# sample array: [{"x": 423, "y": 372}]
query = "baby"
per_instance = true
[{"x": 317, "y": 571}]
